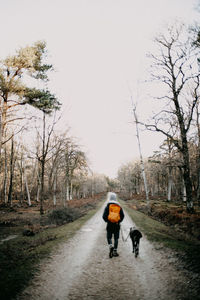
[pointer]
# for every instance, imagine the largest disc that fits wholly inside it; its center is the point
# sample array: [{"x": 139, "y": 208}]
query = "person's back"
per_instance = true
[{"x": 113, "y": 215}]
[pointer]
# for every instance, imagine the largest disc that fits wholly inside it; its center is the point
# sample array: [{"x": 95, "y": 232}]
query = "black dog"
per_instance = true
[{"x": 135, "y": 236}]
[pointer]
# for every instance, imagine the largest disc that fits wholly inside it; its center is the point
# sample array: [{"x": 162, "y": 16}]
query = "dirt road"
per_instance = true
[{"x": 81, "y": 269}]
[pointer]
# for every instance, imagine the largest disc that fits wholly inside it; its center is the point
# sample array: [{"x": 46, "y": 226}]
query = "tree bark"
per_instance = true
[
  {"x": 5, "y": 177},
  {"x": 141, "y": 158},
  {"x": 67, "y": 190},
  {"x": 27, "y": 188},
  {"x": 21, "y": 179},
  {"x": 198, "y": 157},
  {"x": 170, "y": 182},
  {"x": 11, "y": 173},
  {"x": 54, "y": 187},
  {"x": 42, "y": 161},
  {"x": 186, "y": 171}
]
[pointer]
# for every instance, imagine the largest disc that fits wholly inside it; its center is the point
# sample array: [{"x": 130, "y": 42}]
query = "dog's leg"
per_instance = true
[
  {"x": 133, "y": 245},
  {"x": 136, "y": 250}
]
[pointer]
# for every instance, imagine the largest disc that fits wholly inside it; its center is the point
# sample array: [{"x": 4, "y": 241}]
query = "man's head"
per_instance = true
[{"x": 113, "y": 197}]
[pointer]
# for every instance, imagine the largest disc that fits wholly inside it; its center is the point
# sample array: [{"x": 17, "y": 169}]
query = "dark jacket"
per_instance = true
[{"x": 112, "y": 226}]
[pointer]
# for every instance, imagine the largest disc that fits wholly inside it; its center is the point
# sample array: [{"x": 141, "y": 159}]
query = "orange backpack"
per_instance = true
[{"x": 114, "y": 213}]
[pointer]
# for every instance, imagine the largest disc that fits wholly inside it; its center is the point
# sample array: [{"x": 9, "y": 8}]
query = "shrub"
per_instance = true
[{"x": 64, "y": 215}]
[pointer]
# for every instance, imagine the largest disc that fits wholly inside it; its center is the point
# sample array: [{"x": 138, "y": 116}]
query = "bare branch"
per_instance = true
[{"x": 196, "y": 98}]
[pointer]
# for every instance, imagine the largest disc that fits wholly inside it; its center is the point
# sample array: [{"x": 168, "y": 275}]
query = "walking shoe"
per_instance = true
[
  {"x": 111, "y": 251},
  {"x": 115, "y": 252}
]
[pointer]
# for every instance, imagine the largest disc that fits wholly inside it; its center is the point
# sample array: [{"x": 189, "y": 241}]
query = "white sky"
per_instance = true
[{"x": 98, "y": 48}]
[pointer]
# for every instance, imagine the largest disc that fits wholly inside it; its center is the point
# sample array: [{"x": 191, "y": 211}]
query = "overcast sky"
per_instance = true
[{"x": 98, "y": 49}]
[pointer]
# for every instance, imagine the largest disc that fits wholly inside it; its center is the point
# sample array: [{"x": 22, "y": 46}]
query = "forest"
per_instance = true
[
  {"x": 46, "y": 179},
  {"x": 42, "y": 164},
  {"x": 38, "y": 162},
  {"x": 173, "y": 170}
]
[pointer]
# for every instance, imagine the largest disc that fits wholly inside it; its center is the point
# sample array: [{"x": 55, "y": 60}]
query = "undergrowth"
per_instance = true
[
  {"x": 187, "y": 249},
  {"x": 61, "y": 216},
  {"x": 19, "y": 258}
]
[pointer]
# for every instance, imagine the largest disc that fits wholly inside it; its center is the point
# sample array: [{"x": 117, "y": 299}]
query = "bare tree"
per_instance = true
[
  {"x": 198, "y": 153},
  {"x": 44, "y": 153},
  {"x": 130, "y": 178},
  {"x": 141, "y": 157},
  {"x": 175, "y": 67},
  {"x": 74, "y": 159}
]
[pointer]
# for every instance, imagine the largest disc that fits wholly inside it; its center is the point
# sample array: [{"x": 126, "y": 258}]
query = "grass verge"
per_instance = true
[
  {"x": 155, "y": 231},
  {"x": 20, "y": 257}
]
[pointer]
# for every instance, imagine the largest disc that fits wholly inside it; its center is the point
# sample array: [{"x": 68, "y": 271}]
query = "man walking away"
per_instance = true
[{"x": 113, "y": 215}]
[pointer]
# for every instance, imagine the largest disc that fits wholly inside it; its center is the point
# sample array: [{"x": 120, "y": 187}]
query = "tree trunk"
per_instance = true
[
  {"x": 184, "y": 192},
  {"x": 71, "y": 190},
  {"x": 67, "y": 190},
  {"x": 0, "y": 135},
  {"x": 198, "y": 188},
  {"x": 21, "y": 189},
  {"x": 185, "y": 154},
  {"x": 141, "y": 158},
  {"x": 38, "y": 192},
  {"x": 198, "y": 159},
  {"x": 3, "y": 116},
  {"x": 38, "y": 184},
  {"x": 21, "y": 180},
  {"x": 5, "y": 177},
  {"x": 54, "y": 193},
  {"x": 42, "y": 187},
  {"x": 186, "y": 176},
  {"x": 170, "y": 182},
  {"x": 34, "y": 177},
  {"x": 42, "y": 161},
  {"x": 11, "y": 173},
  {"x": 27, "y": 188},
  {"x": 54, "y": 188}
]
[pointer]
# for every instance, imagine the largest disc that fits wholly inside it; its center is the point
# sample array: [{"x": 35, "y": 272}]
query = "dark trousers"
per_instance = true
[{"x": 110, "y": 234}]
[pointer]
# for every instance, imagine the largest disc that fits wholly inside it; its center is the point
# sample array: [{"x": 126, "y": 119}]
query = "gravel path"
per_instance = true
[{"x": 81, "y": 269}]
